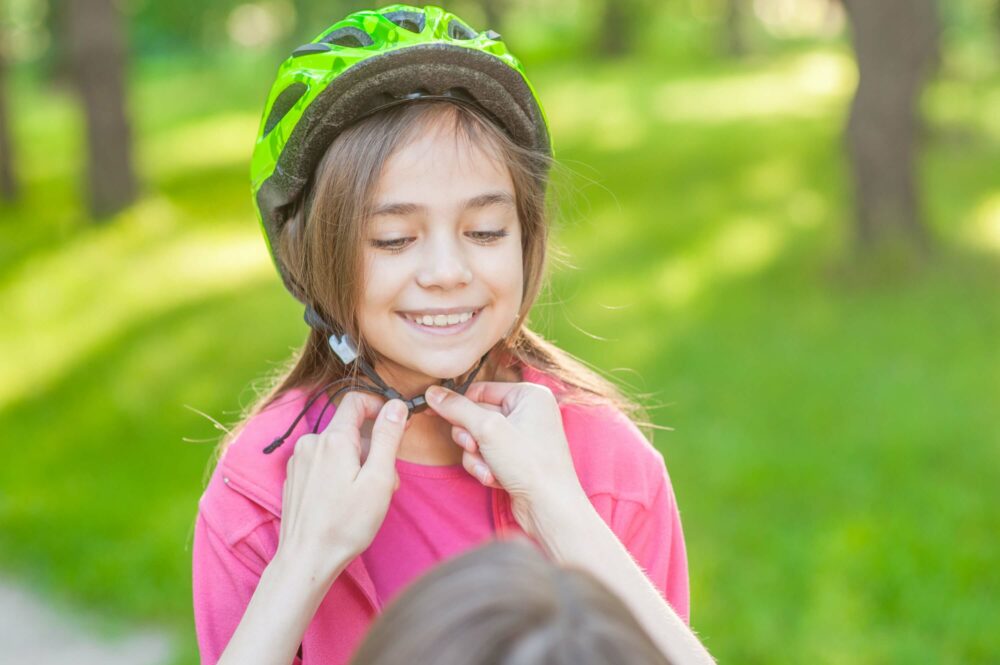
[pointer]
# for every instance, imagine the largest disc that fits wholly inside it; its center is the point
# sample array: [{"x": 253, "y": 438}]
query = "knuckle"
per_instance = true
[
  {"x": 537, "y": 390},
  {"x": 491, "y": 425},
  {"x": 334, "y": 431},
  {"x": 305, "y": 444},
  {"x": 353, "y": 401},
  {"x": 542, "y": 394}
]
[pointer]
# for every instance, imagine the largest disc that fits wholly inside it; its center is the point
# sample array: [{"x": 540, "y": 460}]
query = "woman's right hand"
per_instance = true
[
  {"x": 335, "y": 498},
  {"x": 513, "y": 438}
]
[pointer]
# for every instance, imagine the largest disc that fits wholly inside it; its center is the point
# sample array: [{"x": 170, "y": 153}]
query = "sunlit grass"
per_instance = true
[
  {"x": 984, "y": 228},
  {"x": 218, "y": 141},
  {"x": 67, "y": 302},
  {"x": 806, "y": 86}
]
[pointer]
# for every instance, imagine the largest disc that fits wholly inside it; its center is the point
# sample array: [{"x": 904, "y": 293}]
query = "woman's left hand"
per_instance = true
[{"x": 513, "y": 438}]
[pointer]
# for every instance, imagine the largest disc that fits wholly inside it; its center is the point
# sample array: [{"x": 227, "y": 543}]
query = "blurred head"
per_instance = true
[
  {"x": 506, "y": 604},
  {"x": 422, "y": 207}
]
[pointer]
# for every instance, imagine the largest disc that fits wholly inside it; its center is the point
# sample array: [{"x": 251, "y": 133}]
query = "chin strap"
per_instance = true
[{"x": 343, "y": 346}]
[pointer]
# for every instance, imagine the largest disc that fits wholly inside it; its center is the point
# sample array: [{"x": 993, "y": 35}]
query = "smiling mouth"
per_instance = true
[{"x": 442, "y": 322}]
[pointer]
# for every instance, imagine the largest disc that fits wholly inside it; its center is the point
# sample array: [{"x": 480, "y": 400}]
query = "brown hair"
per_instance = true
[
  {"x": 321, "y": 248},
  {"x": 506, "y": 604}
]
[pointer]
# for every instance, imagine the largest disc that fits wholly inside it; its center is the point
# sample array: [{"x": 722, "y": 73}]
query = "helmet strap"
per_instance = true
[{"x": 346, "y": 350}]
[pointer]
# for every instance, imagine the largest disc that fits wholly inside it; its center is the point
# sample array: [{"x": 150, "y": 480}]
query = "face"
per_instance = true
[{"x": 442, "y": 257}]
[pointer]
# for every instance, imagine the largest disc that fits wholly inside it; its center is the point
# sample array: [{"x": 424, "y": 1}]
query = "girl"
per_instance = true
[{"x": 400, "y": 178}]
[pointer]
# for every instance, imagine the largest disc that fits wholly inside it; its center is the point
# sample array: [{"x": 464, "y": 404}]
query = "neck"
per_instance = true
[
  {"x": 427, "y": 439},
  {"x": 415, "y": 385}
]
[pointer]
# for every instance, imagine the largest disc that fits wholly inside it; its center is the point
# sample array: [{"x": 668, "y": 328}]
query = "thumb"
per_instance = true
[
  {"x": 387, "y": 433},
  {"x": 463, "y": 412}
]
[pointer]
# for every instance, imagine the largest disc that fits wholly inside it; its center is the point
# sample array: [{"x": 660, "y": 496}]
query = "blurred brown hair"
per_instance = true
[
  {"x": 321, "y": 246},
  {"x": 506, "y": 604}
]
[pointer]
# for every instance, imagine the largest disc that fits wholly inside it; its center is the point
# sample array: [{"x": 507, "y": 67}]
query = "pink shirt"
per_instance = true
[
  {"x": 427, "y": 528},
  {"x": 236, "y": 531}
]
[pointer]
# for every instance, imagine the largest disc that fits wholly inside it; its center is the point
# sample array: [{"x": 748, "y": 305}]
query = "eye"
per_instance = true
[
  {"x": 487, "y": 237},
  {"x": 394, "y": 245}
]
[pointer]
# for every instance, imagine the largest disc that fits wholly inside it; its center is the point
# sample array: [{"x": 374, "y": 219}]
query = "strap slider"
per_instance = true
[{"x": 344, "y": 348}]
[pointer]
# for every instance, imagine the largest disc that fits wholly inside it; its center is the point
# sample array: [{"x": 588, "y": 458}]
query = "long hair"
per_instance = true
[
  {"x": 506, "y": 604},
  {"x": 321, "y": 247}
]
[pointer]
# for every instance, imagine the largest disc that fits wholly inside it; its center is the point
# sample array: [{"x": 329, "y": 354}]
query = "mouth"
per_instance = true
[{"x": 442, "y": 324}]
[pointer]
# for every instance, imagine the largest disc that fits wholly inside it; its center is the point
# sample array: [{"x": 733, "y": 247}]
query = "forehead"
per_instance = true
[{"x": 439, "y": 166}]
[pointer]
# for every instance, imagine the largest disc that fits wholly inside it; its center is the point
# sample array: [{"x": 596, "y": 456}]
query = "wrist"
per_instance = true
[
  {"x": 313, "y": 570},
  {"x": 561, "y": 521}
]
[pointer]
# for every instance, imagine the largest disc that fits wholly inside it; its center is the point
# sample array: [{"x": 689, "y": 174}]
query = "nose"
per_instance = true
[{"x": 444, "y": 264}]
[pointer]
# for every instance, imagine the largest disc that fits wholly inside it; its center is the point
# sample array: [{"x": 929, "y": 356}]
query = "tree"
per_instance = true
[
  {"x": 896, "y": 43},
  {"x": 492, "y": 14},
  {"x": 95, "y": 46},
  {"x": 8, "y": 181},
  {"x": 617, "y": 28},
  {"x": 734, "y": 41}
]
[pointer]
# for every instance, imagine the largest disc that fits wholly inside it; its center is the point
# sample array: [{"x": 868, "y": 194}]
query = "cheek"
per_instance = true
[
  {"x": 379, "y": 289},
  {"x": 385, "y": 275},
  {"x": 506, "y": 274}
]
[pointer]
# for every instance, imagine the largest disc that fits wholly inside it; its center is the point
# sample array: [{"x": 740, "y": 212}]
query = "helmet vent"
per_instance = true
[
  {"x": 283, "y": 104},
  {"x": 412, "y": 21},
  {"x": 458, "y": 30},
  {"x": 350, "y": 37}
]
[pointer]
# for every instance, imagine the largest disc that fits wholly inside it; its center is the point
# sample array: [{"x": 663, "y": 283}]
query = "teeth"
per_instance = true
[{"x": 441, "y": 320}]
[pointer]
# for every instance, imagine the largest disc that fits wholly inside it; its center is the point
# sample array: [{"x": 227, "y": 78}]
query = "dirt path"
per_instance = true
[{"x": 32, "y": 631}]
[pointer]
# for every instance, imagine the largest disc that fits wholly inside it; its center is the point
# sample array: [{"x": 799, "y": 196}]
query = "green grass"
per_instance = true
[{"x": 834, "y": 446}]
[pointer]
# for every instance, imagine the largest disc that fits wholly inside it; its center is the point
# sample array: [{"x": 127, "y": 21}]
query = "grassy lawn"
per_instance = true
[{"x": 834, "y": 447}]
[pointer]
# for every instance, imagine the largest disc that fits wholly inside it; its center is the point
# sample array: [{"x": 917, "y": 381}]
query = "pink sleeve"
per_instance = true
[
  {"x": 224, "y": 582},
  {"x": 654, "y": 537}
]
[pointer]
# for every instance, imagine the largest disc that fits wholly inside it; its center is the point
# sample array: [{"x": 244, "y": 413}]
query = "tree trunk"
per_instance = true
[
  {"x": 996, "y": 22},
  {"x": 8, "y": 181},
  {"x": 616, "y": 29},
  {"x": 96, "y": 48},
  {"x": 896, "y": 44},
  {"x": 492, "y": 13},
  {"x": 734, "y": 41}
]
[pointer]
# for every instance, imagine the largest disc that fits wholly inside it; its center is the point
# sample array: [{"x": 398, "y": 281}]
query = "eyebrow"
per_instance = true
[{"x": 480, "y": 201}]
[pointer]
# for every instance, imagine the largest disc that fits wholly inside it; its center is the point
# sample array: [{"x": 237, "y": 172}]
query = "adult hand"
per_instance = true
[
  {"x": 513, "y": 438},
  {"x": 335, "y": 498}
]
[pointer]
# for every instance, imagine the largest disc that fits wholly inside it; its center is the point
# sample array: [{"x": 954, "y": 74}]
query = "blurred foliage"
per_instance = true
[{"x": 835, "y": 445}]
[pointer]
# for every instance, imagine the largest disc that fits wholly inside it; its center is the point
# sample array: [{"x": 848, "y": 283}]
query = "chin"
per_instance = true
[
  {"x": 448, "y": 368},
  {"x": 449, "y": 372}
]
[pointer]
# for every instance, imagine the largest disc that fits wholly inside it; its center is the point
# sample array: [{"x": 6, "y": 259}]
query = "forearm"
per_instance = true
[
  {"x": 574, "y": 534},
  {"x": 285, "y": 601}
]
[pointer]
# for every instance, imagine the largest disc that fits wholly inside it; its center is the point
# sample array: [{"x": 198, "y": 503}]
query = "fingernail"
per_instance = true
[
  {"x": 435, "y": 394},
  {"x": 394, "y": 411},
  {"x": 481, "y": 472},
  {"x": 465, "y": 439}
]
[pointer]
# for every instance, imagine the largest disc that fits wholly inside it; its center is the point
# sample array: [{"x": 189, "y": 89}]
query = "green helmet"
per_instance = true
[{"x": 369, "y": 61}]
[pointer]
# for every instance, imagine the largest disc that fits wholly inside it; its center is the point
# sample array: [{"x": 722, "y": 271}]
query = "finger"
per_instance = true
[
  {"x": 386, "y": 436},
  {"x": 493, "y": 392},
  {"x": 462, "y": 437},
  {"x": 460, "y": 410},
  {"x": 354, "y": 410},
  {"x": 479, "y": 469}
]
